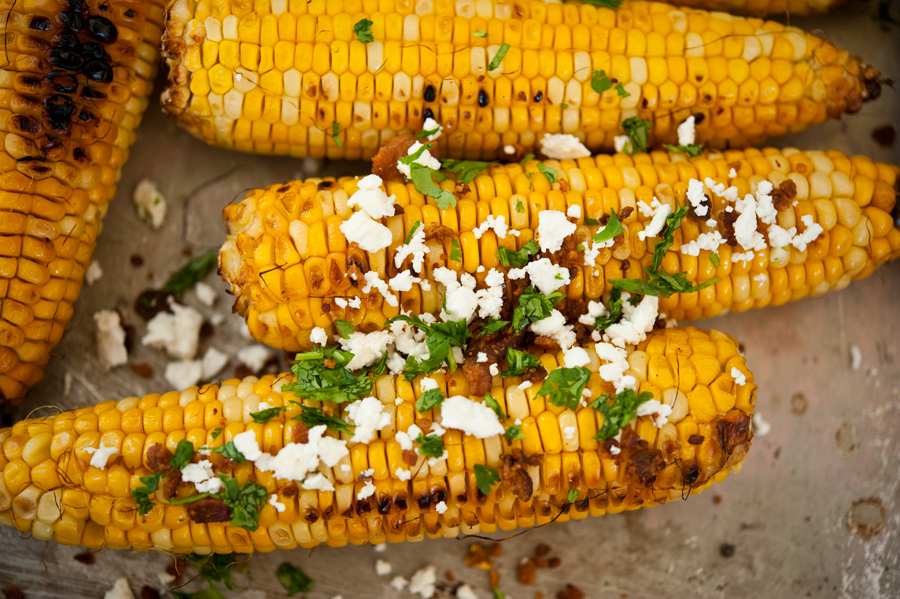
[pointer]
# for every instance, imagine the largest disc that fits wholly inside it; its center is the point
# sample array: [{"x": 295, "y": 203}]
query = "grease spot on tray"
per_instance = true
[
  {"x": 847, "y": 438},
  {"x": 866, "y": 517},
  {"x": 799, "y": 404}
]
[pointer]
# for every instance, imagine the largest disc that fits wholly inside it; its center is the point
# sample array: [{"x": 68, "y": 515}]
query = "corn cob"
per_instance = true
[
  {"x": 287, "y": 259},
  {"x": 49, "y": 489},
  {"x": 75, "y": 83},
  {"x": 293, "y": 78},
  {"x": 794, "y": 8}
]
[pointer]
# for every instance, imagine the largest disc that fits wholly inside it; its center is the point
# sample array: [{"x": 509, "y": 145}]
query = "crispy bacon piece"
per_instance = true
[
  {"x": 159, "y": 459},
  {"x": 208, "y": 509},
  {"x": 514, "y": 473},
  {"x": 384, "y": 163}
]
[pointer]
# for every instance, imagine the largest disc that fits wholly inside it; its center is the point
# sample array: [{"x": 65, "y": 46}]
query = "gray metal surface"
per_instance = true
[{"x": 794, "y": 516}]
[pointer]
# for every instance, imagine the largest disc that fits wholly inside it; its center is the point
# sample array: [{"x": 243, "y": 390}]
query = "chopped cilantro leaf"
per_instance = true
[
  {"x": 311, "y": 417},
  {"x": 317, "y": 382},
  {"x": 480, "y": 33},
  {"x": 498, "y": 57},
  {"x": 410, "y": 158},
  {"x": 467, "y": 169},
  {"x": 244, "y": 503},
  {"x": 514, "y": 433},
  {"x": 492, "y": 326},
  {"x": 429, "y": 400},
  {"x": 424, "y": 133},
  {"x": 442, "y": 336},
  {"x": 691, "y": 150},
  {"x": 520, "y": 207},
  {"x": 423, "y": 180},
  {"x": 638, "y": 131},
  {"x": 412, "y": 231},
  {"x": 615, "y": 310},
  {"x": 142, "y": 494},
  {"x": 510, "y": 258},
  {"x": 494, "y": 405},
  {"x": 336, "y": 133},
  {"x": 189, "y": 499},
  {"x": 184, "y": 451},
  {"x": 293, "y": 579},
  {"x": 613, "y": 227},
  {"x": 620, "y": 89},
  {"x": 485, "y": 478},
  {"x": 230, "y": 451},
  {"x": 188, "y": 275},
  {"x": 564, "y": 386},
  {"x": 534, "y": 306},
  {"x": 363, "y": 31},
  {"x": 264, "y": 416},
  {"x": 618, "y": 411},
  {"x": 216, "y": 433},
  {"x": 528, "y": 156},
  {"x": 592, "y": 222},
  {"x": 714, "y": 258},
  {"x": 431, "y": 446},
  {"x": 550, "y": 174},
  {"x": 572, "y": 495},
  {"x": 600, "y": 82},
  {"x": 519, "y": 362},
  {"x": 344, "y": 328},
  {"x": 605, "y": 3},
  {"x": 455, "y": 250}
]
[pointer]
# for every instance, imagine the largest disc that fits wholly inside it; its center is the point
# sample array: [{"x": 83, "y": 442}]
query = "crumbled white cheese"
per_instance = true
[
  {"x": 657, "y": 223},
  {"x": 370, "y": 235},
  {"x": 525, "y": 385},
  {"x": 217, "y": 318},
  {"x": 254, "y": 357},
  {"x": 402, "y": 475},
  {"x": 686, "y": 132},
  {"x": 430, "y": 125},
  {"x": 765, "y": 207},
  {"x": 93, "y": 273},
  {"x": 120, "y": 590},
  {"x": 732, "y": 174},
  {"x": 471, "y": 417},
  {"x": 482, "y": 357},
  {"x": 427, "y": 384},
  {"x": 576, "y": 357},
  {"x": 654, "y": 406},
  {"x": 697, "y": 197},
  {"x": 415, "y": 248},
  {"x": 369, "y": 416},
  {"x": 465, "y": 592},
  {"x": 761, "y": 426},
  {"x": 740, "y": 379},
  {"x": 613, "y": 371},
  {"x": 166, "y": 579},
  {"x": 635, "y": 323},
  {"x": 212, "y": 363},
  {"x": 318, "y": 336},
  {"x": 110, "y": 338},
  {"x": 494, "y": 370},
  {"x": 647, "y": 210},
  {"x": 747, "y": 256},
  {"x": 367, "y": 348},
  {"x": 460, "y": 297},
  {"x": 553, "y": 227},
  {"x": 595, "y": 310},
  {"x": 812, "y": 232},
  {"x": 205, "y": 294},
  {"x": 296, "y": 461},
  {"x": 150, "y": 203},
  {"x": 745, "y": 226},
  {"x": 498, "y": 224},
  {"x": 555, "y": 327},
  {"x": 341, "y": 302},
  {"x": 560, "y": 146},
  {"x": 855, "y": 357},
  {"x": 182, "y": 374},
  {"x": 508, "y": 149},
  {"x": 371, "y": 199},
  {"x": 705, "y": 241},
  {"x": 423, "y": 582},
  {"x": 398, "y": 582},
  {"x": 367, "y": 473},
  {"x": 425, "y": 159},
  {"x": 380, "y": 548},
  {"x": 373, "y": 280},
  {"x": 101, "y": 454},
  {"x": 177, "y": 332},
  {"x": 615, "y": 450},
  {"x": 355, "y": 303},
  {"x": 622, "y": 143},
  {"x": 441, "y": 508},
  {"x": 574, "y": 211},
  {"x": 273, "y": 501},
  {"x": 403, "y": 281},
  {"x": 367, "y": 491},
  {"x": 203, "y": 476},
  {"x": 546, "y": 276},
  {"x": 383, "y": 568}
]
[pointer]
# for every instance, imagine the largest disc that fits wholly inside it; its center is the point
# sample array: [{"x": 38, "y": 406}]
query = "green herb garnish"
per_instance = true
[
  {"x": 455, "y": 250},
  {"x": 412, "y": 231},
  {"x": 714, "y": 258},
  {"x": 492, "y": 326},
  {"x": 618, "y": 411},
  {"x": 431, "y": 446},
  {"x": 520, "y": 258},
  {"x": 613, "y": 227},
  {"x": 215, "y": 434},
  {"x": 498, "y": 57},
  {"x": 317, "y": 382},
  {"x": 615, "y": 310},
  {"x": 485, "y": 478},
  {"x": 514, "y": 433},
  {"x": 429, "y": 400},
  {"x": 691, "y": 150},
  {"x": 363, "y": 31},
  {"x": 344, "y": 328},
  {"x": 293, "y": 579},
  {"x": 520, "y": 207},
  {"x": 244, "y": 503},
  {"x": 564, "y": 386},
  {"x": 600, "y": 82},
  {"x": 519, "y": 362},
  {"x": 467, "y": 169},
  {"x": 336, "y": 133},
  {"x": 423, "y": 180},
  {"x": 230, "y": 451},
  {"x": 311, "y": 417},
  {"x": 264, "y": 416},
  {"x": 550, "y": 174},
  {"x": 492, "y": 404},
  {"x": 441, "y": 337},
  {"x": 638, "y": 132},
  {"x": 191, "y": 273},
  {"x": 480, "y": 33},
  {"x": 534, "y": 306},
  {"x": 142, "y": 494},
  {"x": 184, "y": 451}
]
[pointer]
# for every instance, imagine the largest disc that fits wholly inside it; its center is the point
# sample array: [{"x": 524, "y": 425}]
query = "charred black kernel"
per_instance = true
[
  {"x": 60, "y": 109},
  {"x": 102, "y": 29},
  {"x": 312, "y": 514},
  {"x": 30, "y": 158},
  {"x": 32, "y": 82},
  {"x": 430, "y": 94},
  {"x": 428, "y": 114},
  {"x": 401, "y": 503},
  {"x": 698, "y": 118},
  {"x": 438, "y": 495},
  {"x": 482, "y": 98},
  {"x": 79, "y": 155},
  {"x": 67, "y": 40},
  {"x": 129, "y": 13},
  {"x": 99, "y": 71},
  {"x": 48, "y": 144},
  {"x": 103, "y": 7},
  {"x": 91, "y": 94},
  {"x": 95, "y": 50},
  {"x": 538, "y": 96},
  {"x": 384, "y": 504},
  {"x": 78, "y": 6},
  {"x": 72, "y": 20},
  {"x": 70, "y": 60},
  {"x": 40, "y": 24},
  {"x": 59, "y": 81},
  {"x": 424, "y": 502},
  {"x": 26, "y": 124}
]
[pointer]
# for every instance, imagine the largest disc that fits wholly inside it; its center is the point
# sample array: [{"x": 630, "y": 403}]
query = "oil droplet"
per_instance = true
[
  {"x": 847, "y": 438},
  {"x": 798, "y": 404},
  {"x": 866, "y": 517}
]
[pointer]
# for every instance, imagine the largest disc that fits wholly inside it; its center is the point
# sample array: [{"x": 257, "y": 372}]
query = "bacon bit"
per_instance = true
[
  {"x": 449, "y": 576},
  {"x": 149, "y": 593},
  {"x": 526, "y": 572},
  {"x": 647, "y": 464},
  {"x": 495, "y": 579},
  {"x": 728, "y": 220},
  {"x": 695, "y": 439},
  {"x": 290, "y": 491},
  {"x": 621, "y": 215},
  {"x": 300, "y": 434},
  {"x": 692, "y": 215},
  {"x": 330, "y": 363},
  {"x": 242, "y": 371},
  {"x": 563, "y": 185},
  {"x": 424, "y": 425},
  {"x": 384, "y": 163},
  {"x": 570, "y": 592},
  {"x": 542, "y": 549},
  {"x": 86, "y": 558},
  {"x": 208, "y": 510},
  {"x": 554, "y": 562},
  {"x": 13, "y": 593},
  {"x": 733, "y": 430},
  {"x": 479, "y": 376},
  {"x": 159, "y": 459},
  {"x": 142, "y": 370},
  {"x": 461, "y": 190},
  {"x": 171, "y": 483},
  {"x": 781, "y": 197},
  {"x": 885, "y": 135},
  {"x": 717, "y": 499},
  {"x": 514, "y": 473},
  {"x": 409, "y": 457},
  {"x": 480, "y": 556}
]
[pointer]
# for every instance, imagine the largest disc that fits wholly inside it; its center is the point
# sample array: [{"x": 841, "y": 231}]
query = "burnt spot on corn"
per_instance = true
[
  {"x": 483, "y": 98},
  {"x": 430, "y": 94},
  {"x": 538, "y": 96}
]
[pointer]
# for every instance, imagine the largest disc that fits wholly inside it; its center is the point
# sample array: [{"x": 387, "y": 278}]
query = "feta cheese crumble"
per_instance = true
[
  {"x": 697, "y": 197},
  {"x": 654, "y": 406},
  {"x": 371, "y": 199},
  {"x": 430, "y": 125},
  {"x": 855, "y": 357},
  {"x": 273, "y": 501},
  {"x": 150, "y": 203},
  {"x": 254, "y": 357},
  {"x": 367, "y": 491},
  {"x": 415, "y": 248},
  {"x": 740, "y": 379},
  {"x": 318, "y": 336},
  {"x": 560, "y": 146},
  {"x": 622, "y": 143},
  {"x": 553, "y": 227},
  {"x": 576, "y": 357},
  {"x": 423, "y": 582},
  {"x": 110, "y": 339},
  {"x": 120, "y": 590},
  {"x": 383, "y": 568},
  {"x": 761, "y": 426},
  {"x": 203, "y": 476},
  {"x": 656, "y": 224},
  {"x": 368, "y": 234},
  {"x": 178, "y": 332},
  {"x": 687, "y": 132},
  {"x": 93, "y": 273},
  {"x": 205, "y": 293},
  {"x": 555, "y": 327},
  {"x": 373, "y": 280},
  {"x": 471, "y": 417},
  {"x": 425, "y": 159},
  {"x": 100, "y": 455},
  {"x": 369, "y": 416}
]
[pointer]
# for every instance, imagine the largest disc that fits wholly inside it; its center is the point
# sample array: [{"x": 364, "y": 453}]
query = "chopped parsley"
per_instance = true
[
  {"x": 692, "y": 150},
  {"x": 428, "y": 132},
  {"x": 412, "y": 231},
  {"x": 528, "y": 156},
  {"x": 293, "y": 579},
  {"x": 467, "y": 169},
  {"x": 495, "y": 406},
  {"x": 498, "y": 57},
  {"x": 216, "y": 567},
  {"x": 613, "y": 227},
  {"x": 191, "y": 273},
  {"x": 142, "y": 494},
  {"x": 189, "y": 499},
  {"x": 492, "y": 326},
  {"x": 614, "y": 308},
  {"x": 498, "y": 594},
  {"x": 423, "y": 180},
  {"x": 431, "y": 446},
  {"x": 317, "y": 382},
  {"x": 183, "y": 454},
  {"x": 600, "y": 82},
  {"x": 714, "y": 258},
  {"x": 521, "y": 258},
  {"x": 549, "y": 173},
  {"x": 519, "y": 362},
  {"x": 311, "y": 417},
  {"x": 572, "y": 495},
  {"x": 244, "y": 503},
  {"x": 230, "y": 451},
  {"x": 591, "y": 222},
  {"x": 336, "y": 133},
  {"x": 264, "y": 416},
  {"x": 216, "y": 433},
  {"x": 485, "y": 478},
  {"x": 514, "y": 433},
  {"x": 344, "y": 328},
  {"x": 638, "y": 132},
  {"x": 618, "y": 411},
  {"x": 441, "y": 337},
  {"x": 480, "y": 33},
  {"x": 534, "y": 306},
  {"x": 455, "y": 250},
  {"x": 564, "y": 386},
  {"x": 429, "y": 400},
  {"x": 363, "y": 31},
  {"x": 520, "y": 207}
]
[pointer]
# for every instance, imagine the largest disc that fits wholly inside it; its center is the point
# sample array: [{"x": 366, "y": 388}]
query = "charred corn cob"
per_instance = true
[
  {"x": 375, "y": 491},
  {"x": 765, "y": 7},
  {"x": 75, "y": 81},
  {"x": 292, "y": 269},
  {"x": 295, "y": 78}
]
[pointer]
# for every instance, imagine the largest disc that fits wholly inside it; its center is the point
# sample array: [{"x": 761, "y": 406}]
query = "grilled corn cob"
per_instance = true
[
  {"x": 557, "y": 470},
  {"x": 794, "y": 8},
  {"x": 75, "y": 82},
  {"x": 294, "y": 78},
  {"x": 288, "y": 260}
]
